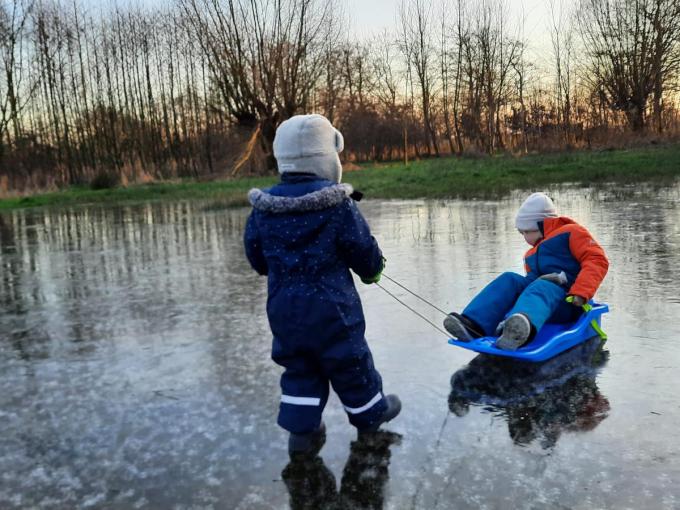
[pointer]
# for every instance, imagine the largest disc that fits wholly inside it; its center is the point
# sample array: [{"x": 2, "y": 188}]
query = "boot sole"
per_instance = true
[
  {"x": 457, "y": 329},
  {"x": 515, "y": 333}
]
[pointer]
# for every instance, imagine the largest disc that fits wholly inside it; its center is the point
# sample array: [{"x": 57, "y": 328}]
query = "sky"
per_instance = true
[{"x": 370, "y": 17}]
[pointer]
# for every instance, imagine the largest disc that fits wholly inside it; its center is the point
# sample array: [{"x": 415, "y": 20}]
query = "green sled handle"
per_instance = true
[{"x": 586, "y": 308}]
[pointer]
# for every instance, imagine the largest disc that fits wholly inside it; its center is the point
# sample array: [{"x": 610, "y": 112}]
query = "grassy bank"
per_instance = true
[
  {"x": 434, "y": 178},
  {"x": 495, "y": 177},
  {"x": 226, "y": 192}
]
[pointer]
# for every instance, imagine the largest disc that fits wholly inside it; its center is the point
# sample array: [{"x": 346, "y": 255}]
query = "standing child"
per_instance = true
[
  {"x": 564, "y": 262},
  {"x": 305, "y": 234}
]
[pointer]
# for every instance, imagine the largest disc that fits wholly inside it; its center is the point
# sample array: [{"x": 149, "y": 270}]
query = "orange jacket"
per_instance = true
[{"x": 569, "y": 247}]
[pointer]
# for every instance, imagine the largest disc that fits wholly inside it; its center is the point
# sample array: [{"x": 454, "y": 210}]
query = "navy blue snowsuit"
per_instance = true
[{"x": 306, "y": 234}]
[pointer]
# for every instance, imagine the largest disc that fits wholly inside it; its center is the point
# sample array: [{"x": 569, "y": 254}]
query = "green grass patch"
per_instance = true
[
  {"x": 494, "y": 177},
  {"x": 229, "y": 193},
  {"x": 489, "y": 177}
]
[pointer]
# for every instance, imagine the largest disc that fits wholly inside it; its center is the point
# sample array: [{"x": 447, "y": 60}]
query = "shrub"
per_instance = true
[{"x": 105, "y": 180}]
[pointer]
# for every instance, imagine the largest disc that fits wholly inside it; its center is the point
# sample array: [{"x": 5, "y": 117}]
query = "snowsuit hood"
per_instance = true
[{"x": 323, "y": 198}]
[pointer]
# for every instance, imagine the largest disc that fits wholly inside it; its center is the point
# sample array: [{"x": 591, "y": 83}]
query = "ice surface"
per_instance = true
[{"x": 135, "y": 370}]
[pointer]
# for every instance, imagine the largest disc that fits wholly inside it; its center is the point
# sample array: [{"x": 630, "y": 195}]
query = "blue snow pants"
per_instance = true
[
  {"x": 510, "y": 293},
  {"x": 346, "y": 364}
]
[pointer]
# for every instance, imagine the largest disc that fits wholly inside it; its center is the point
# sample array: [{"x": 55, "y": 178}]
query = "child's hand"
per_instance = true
[
  {"x": 373, "y": 279},
  {"x": 576, "y": 300},
  {"x": 376, "y": 278}
]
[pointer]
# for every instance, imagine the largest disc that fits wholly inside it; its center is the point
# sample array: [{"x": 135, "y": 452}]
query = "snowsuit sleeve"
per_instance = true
[
  {"x": 253, "y": 246},
  {"x": 594, "y": 263},
  {"x": 356, "y": 246}
]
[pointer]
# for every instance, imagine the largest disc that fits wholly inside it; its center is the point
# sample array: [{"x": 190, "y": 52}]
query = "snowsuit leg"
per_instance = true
[
  {"x": 349, "y": 366},
  {"x": 543, "y": 300},
  {"x": 304, "y": 392},
  {"x": 491, "y": 305}
]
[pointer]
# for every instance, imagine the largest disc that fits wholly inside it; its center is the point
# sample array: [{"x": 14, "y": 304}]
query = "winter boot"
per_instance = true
[
  {"x": 393, "y": 409},
  {"x": 461, "y": 328},
  {"x": 516, "y": 331},
  {"x": 306, "y": 445}
]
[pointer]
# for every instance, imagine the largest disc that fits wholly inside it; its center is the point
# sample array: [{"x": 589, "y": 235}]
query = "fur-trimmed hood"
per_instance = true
[{"x": 324, "y": 198}]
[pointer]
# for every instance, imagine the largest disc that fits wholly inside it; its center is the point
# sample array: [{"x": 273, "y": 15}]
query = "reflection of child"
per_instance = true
[
  {"x": 538, "y": 400},
  {"x": 312, "y": 485},
  {"x": 576, "y": 406},
  {"x": 306, "y": 233},
  {"x": 564, "y": 261}
]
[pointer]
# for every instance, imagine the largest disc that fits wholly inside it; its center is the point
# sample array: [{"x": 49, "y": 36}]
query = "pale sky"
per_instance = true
[{"x": 370, "y": 17}]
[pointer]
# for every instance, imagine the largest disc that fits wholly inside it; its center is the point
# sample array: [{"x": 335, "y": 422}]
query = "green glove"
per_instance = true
[
  {"x": 586, "y": 308},
  {"x": 376, "y": 278}
]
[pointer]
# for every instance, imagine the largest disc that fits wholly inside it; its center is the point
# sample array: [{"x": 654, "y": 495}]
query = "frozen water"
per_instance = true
[{"x": 135, "y": 370}]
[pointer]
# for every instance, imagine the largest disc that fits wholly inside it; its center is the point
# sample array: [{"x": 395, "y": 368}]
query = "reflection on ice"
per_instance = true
[
  {"x": 539, "y": 401},
  {"x": 312, "y": 485}
]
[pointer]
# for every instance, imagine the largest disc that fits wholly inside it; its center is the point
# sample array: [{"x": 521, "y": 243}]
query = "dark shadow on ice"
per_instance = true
[
  {"x": 538, "y": 400},
  {"x": 311, "y": 484}
]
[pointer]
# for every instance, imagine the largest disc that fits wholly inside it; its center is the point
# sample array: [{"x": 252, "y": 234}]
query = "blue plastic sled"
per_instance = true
[{"x": 551, "y": 340}]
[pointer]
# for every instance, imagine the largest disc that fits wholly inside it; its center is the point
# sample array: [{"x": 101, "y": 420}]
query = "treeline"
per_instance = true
[{"x": 198, "y": 88}]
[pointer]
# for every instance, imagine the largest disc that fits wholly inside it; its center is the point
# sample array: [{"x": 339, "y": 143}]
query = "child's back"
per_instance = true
[{"x": 306, "y": 233}]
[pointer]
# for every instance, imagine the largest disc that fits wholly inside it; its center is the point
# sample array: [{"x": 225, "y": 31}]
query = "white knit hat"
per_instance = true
[
  {"x": 534, "y": 209},
  {"x": 310, "y": 144}
]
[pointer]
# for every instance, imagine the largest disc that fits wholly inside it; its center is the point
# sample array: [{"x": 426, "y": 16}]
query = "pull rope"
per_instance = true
[
  {"x": 414, "y": 294},
  {"x": 447, "y": 335},
  {"x": 414, "y": 311}
]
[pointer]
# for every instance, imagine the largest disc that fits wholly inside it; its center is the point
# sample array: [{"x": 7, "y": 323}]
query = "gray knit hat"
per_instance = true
[
  {"x": 310, "y": 144},
  {"x": 534, "y": 209}
]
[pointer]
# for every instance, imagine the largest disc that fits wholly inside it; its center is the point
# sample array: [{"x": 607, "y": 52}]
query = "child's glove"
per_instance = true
[
  {"x": 376, "y": 278},
  {"x": 556, "y": 278},
  {"x": 576, "y": 301}
]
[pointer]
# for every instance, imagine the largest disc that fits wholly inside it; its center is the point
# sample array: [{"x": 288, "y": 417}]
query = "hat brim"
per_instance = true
[{"x": 325, "y": 166}]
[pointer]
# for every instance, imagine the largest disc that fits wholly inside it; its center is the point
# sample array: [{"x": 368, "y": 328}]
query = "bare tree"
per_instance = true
[
  {"x": 561, "y": 36},
  {"x": 13, "y": 22},
  {"x": 384, "y": 72},
  {"x": 266, "y": 57},
  {"x": 666, "y": 54},
  {"x": 634, "y": 49},
  {"x": 445, "y": 71},
  {"x": 488, "y": 53},
  {"x": 416, "y": 27}
]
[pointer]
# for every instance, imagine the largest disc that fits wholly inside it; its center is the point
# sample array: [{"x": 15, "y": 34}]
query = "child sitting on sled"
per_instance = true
[
  {"x": 305, "y": 234},
  {"x": 565, "y": 266}
]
